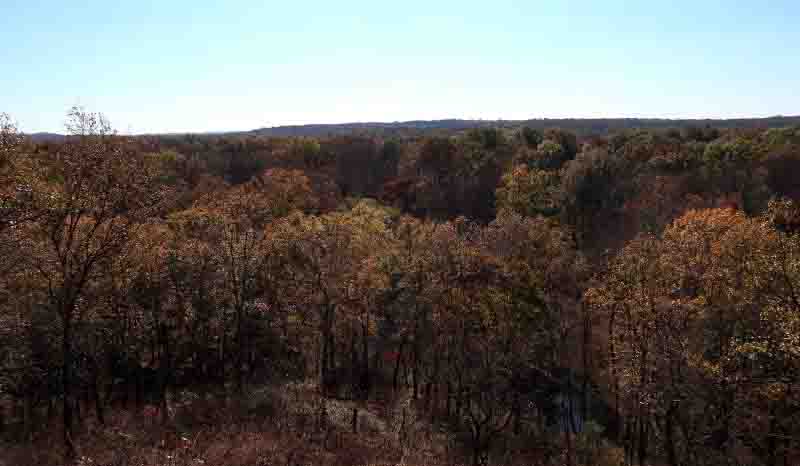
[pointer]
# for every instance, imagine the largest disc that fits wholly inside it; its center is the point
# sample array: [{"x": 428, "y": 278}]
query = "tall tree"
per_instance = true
[{"x": 97, "y": 195}]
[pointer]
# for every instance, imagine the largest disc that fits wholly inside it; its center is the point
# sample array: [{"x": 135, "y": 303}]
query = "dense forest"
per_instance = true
[{"x": 491, "y": 294}]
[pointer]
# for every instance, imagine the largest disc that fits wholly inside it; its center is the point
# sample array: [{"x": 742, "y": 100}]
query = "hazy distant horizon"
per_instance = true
[{"x": 401, "y": 123}]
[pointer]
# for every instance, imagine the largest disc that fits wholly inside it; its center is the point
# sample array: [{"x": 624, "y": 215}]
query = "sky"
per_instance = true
[{"x": 195, "y": 66}]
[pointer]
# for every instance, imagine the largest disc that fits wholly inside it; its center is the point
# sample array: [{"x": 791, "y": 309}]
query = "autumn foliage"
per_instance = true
[{"x": 492, "y": 296}]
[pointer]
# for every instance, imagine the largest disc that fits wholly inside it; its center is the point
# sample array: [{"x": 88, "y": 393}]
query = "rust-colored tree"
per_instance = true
[{"x": 97, "y": 195}]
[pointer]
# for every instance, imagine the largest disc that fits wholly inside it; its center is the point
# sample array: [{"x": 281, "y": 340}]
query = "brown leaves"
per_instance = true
[
  {"x": 274, "y": 194},
  {"x": 709, "y": 307}
]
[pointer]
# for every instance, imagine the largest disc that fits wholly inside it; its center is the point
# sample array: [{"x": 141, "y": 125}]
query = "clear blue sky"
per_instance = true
[{"x": 194, "y": 65}]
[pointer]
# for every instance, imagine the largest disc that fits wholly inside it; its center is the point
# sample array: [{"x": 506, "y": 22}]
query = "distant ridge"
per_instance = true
[
  {"x": 582, "y": 126},
  {"x": 46, "y": 137}
]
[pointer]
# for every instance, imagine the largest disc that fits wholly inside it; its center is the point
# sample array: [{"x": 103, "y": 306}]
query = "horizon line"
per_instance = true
[{"x": 435, "y": 120}]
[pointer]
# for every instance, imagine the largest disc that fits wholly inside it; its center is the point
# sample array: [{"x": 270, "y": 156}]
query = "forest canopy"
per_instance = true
[{"x": 494, "y": 293}]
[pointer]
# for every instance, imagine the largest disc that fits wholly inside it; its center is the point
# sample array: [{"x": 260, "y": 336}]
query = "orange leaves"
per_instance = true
[
  {"x": 196, "y": 223},
  {"x": 728, "y": 254},
  {"x": 288, "y": 190},
  {"x": 274, "y": 194},
  {"x": 784, "y": 214},
  {"x": 709, "y": 304}
]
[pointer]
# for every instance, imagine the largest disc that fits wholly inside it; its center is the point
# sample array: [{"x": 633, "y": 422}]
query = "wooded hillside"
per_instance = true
[{"x": 494, "y": 295}]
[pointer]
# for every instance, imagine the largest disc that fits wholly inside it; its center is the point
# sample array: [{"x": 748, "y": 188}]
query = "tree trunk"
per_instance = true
[
  {"x": 415, "y": 366},
  {"x": 612, "y": 363},
  {"x": 221, "y": 361},
  {"x": 331, "y": 351},
  {"x": 669, "y": 438},
  {"x": 98, "y": 401},
  {"x": 164, "y": 372},
  {"x": 459, "y": 401},
  {"x": 240, "y": 348},
  {"x": 324, "y": 369},
  {"x": 138, "y": 374},
  {"x": 27, "y": 416},
  {"x": 447, "y": 402},
  {"x": 628, "y": 443},
  {"x": 788, "y": 440},
  {"x": 323, "y": 360},
  {"x": 77, "y": 405},
  {"x": 355, "y": 371},
  {"x": 476, "y": 444},
  {"x": 643, "y": 438},
  {"x": 327, "y": 358},
  {"x": 431, "y": 391},
  {"x": 587, "y": 341},
  {"x": 365, "y": 377},
  {"x": 66, "y": 381},
  {"x": 415, "y": 375},
  {"x": 570, "y": 453},
  {"x": 51, "y": 411},
  {"x": 398, "y": 362}
]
